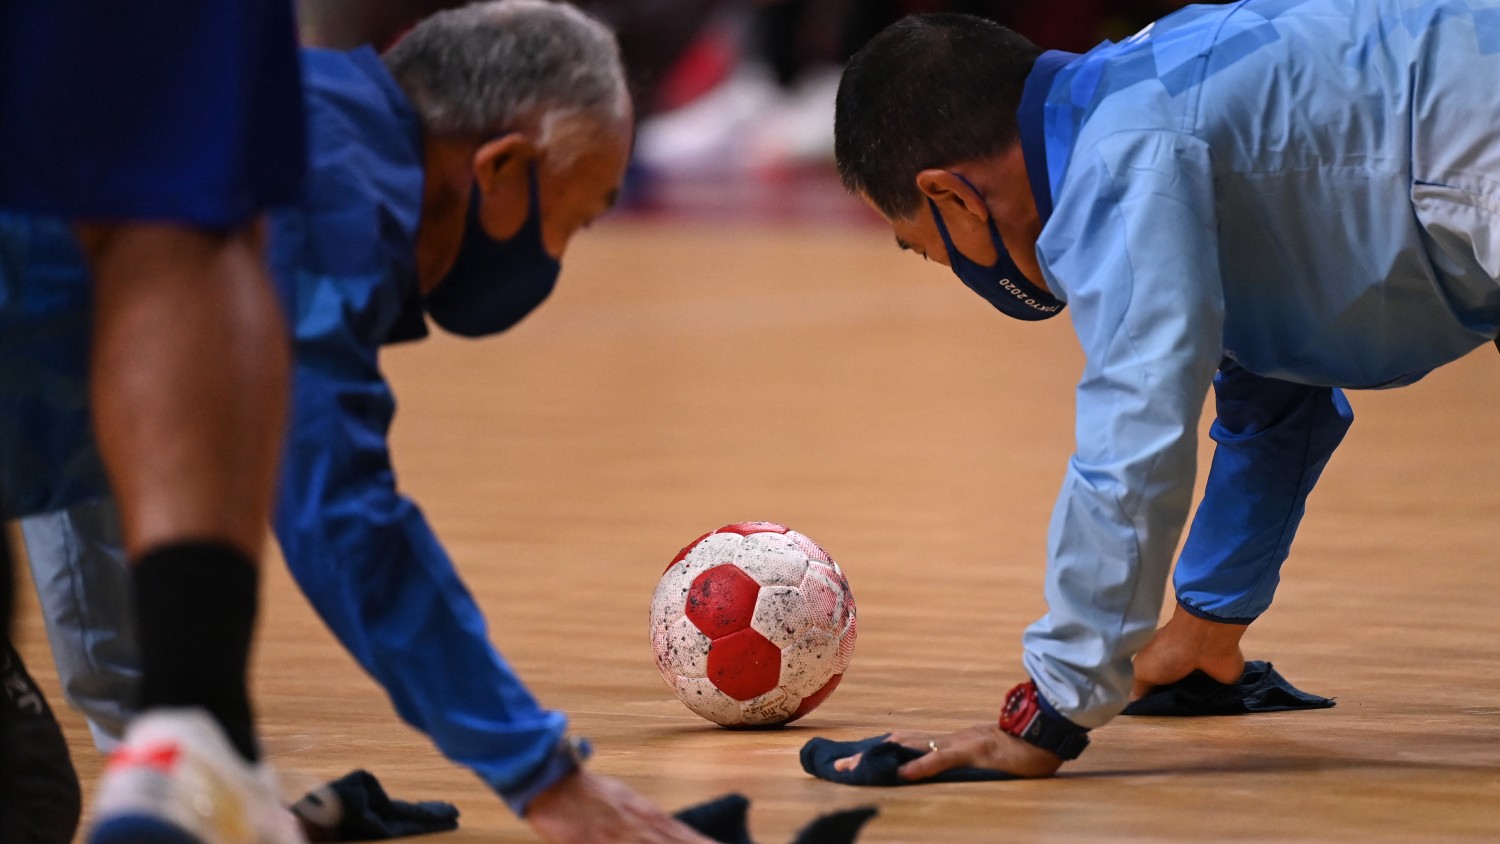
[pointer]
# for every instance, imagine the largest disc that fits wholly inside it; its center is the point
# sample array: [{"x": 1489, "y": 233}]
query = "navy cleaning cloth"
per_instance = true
[
  {"x": 879, "y": 763},
  {"x": 724, "y": 820},
  {"x": 1260, "y": 689},
  {"x": 836, "y": 827},
  {"x": 356, "y": 808}
]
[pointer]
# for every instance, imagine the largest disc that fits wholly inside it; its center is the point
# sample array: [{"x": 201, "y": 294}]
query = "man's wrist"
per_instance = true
[
  {"x": 567, "y": 756},
  {"x": 1027, "y": 716}
]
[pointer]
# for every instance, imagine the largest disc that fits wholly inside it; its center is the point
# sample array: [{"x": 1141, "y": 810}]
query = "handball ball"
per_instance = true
[{"x": 753, "y": 625}]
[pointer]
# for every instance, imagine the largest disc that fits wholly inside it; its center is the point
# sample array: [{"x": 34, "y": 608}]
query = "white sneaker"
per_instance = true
[
  {"x": 798, "y": 130},
  {"x": 707, "y": 136},
  {"x": 175, "y": 779}
]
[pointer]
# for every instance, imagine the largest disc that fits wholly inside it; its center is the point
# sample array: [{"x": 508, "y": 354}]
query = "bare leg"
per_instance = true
[{"x": 189, "y": 383}]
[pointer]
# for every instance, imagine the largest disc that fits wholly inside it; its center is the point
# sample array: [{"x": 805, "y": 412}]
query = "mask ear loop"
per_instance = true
[
  {"x": 956, "y": 257},
  {"x": 533, "y": 188},
  {"x": 942, "y": 228},
  {"x": 533, "y": 192},
  {"x": 1002, "y": 255},
  {"x": 1047, "y": 304},
  {"x": 533, "y": 225}
]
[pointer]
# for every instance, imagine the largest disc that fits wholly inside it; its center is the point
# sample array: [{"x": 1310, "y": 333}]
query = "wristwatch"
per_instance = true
[{"x": 1026, "y": 718}]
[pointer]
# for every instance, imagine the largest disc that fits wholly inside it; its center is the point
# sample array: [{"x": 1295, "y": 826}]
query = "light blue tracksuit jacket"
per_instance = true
[{"x": 1278, "y": 198}]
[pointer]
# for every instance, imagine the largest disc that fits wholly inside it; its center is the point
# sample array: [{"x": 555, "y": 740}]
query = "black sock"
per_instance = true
[{"x": 195, "y": 608}]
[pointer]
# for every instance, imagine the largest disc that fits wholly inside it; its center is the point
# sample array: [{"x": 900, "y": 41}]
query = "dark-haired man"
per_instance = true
[{"x": 1275, "y": 198}]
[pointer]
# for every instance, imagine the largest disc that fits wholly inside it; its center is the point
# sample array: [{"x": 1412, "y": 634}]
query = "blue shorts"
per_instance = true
[{"x": 186, "y": 111}]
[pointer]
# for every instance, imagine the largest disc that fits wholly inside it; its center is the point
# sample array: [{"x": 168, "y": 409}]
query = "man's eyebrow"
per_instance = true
[
  {"x": 611, "y": 199},
  {"x": 903, "y": 244}
]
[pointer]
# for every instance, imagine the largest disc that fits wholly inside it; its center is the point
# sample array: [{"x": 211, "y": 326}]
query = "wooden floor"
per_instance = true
[{"x": 684, "y": 377}]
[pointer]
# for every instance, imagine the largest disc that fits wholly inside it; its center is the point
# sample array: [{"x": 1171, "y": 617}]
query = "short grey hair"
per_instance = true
[{"x": 492, "y": 67}]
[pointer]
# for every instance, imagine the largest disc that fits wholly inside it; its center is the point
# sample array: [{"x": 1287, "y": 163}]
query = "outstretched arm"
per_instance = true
[
  {"x": 1141, "y": 271},
  {"x": 367, "y": 560},
  {"x": 373, "y": 569},
  {"x": 1133, "y": 247}
]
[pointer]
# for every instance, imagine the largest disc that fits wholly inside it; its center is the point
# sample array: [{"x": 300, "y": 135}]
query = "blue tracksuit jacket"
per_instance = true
[{"x": 343, "y": 260}]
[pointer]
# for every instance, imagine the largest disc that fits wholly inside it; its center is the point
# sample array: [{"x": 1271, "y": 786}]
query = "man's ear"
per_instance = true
[
  {"x": 952, "y": 195},
  {"x": 502, "y": 162}
]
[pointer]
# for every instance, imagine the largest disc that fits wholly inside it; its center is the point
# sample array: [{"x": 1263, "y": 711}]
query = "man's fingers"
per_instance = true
[
  {"x": 848, "y": 763},
  {"x": 1226, "y": 668},
  {"x": 929, "y": 764}
]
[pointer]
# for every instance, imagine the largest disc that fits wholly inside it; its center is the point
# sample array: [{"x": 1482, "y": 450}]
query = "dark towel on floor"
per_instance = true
[
  {"x": 1261, "y": 689},
  {"x": 356, "y": 808},
  {"x": 836, "y": 827},
  {"x": 724, "y": 820},
  {"x": 879, "y": 763}
]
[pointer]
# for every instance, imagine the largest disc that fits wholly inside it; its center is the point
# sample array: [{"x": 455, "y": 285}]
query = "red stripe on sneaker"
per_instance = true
[{"x": 159, "y": 756}]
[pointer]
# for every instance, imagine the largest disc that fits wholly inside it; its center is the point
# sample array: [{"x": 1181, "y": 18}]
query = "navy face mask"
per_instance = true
[
  {"x": 1002, "y": 283},
  {"x": 494, "y": 283}
]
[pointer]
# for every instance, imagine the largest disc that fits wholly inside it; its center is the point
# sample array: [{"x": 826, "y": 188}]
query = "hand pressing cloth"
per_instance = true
[{"x": 878, "y": 763}]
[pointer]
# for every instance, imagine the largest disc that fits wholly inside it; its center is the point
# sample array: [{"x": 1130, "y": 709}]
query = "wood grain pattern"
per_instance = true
[{"x": 684, "y": 377}]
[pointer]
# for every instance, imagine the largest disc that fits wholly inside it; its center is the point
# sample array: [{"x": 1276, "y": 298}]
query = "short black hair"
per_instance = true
[{"x": 928, "y": 91}]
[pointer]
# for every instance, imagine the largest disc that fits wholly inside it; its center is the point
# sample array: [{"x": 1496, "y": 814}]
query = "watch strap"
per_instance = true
[{"x": 1028, "y": 718}]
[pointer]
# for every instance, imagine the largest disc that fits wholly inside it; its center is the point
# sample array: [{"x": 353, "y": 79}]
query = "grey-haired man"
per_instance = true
[{"x": 445, "y": 180}]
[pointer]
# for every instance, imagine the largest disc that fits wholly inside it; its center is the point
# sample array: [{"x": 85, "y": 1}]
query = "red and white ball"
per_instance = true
[{"x": 753, "y": 625}]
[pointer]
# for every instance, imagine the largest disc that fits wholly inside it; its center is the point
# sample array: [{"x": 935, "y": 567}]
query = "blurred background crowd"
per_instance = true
[{"x": 746, "y": 87}]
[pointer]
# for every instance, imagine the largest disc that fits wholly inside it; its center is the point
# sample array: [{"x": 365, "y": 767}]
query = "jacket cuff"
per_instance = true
[
  {"x": 1208, "y": 616},
  {"x": 567, "y": 757}
]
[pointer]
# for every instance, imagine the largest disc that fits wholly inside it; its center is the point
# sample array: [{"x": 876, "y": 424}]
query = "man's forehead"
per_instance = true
[
  {"x": 582, "y": 135},
  {"x": 865, "y": 198},
  {"x": 574, "y": 154}
]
